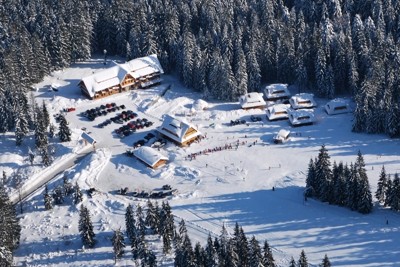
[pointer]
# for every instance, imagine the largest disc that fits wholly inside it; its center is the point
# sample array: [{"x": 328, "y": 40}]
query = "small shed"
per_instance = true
[
  {"x": 150, "y": 157},
  {"x": 278, "y": 112},
  {"x": 252, "y": 100},
  {"x": 281, "y": 136},
  {"x": 88, "y": 139},
  {"x": 337, "y": 106},
  {"x": 301, "y": 117},
  {"x": 303, "y": 100},
  {"x": 276, "y": 91}
]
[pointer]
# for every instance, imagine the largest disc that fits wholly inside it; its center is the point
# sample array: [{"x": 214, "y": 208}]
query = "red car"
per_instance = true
[{"x": 69, "y": 109}]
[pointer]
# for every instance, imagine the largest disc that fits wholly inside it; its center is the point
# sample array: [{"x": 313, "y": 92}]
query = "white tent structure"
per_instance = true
[
  {"x": 301, "y": 117},
  {"x": 276, "y": 91},
  {"x": 281, "y": 136},
  {"x": 178, "y": 131},
  {"x": 252, "y": 100},
  {"x": 337, "y": 106},
  {"x": 303, "y": 100},
  {"x": 278, "y": 112},
  {"x": 150, "y": 157}
]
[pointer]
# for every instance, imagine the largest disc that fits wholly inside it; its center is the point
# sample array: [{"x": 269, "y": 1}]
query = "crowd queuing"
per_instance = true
[{"x": 228, "y": 146}]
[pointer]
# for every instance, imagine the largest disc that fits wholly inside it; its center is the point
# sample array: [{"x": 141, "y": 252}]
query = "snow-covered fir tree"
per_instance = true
[
  {"x": 10, "y": 230},
  {"x": 303, "y": 262},
  {"x": 326, "y": 262},
  {"x": 48, "y": 200},
  {"x": 380, "y": 193},
  {"x": 268, "y": 258},
  {"x": 64, "y": 132},
  {"x": 85, "y": 228},
  {"x": 118, "y": 244},
  {"x": 78, "y": 196}
]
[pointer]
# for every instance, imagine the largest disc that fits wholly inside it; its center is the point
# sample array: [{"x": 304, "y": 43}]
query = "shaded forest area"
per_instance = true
[{"x": 220, "y": 48}]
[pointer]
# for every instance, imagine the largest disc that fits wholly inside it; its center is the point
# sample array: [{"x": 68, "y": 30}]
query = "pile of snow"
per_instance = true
[{"x": 199, "y": 105}]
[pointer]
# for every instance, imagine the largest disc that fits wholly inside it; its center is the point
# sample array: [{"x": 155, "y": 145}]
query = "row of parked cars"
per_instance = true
[
  {"x": 102, "y": 110},
  {"x": 133, "y": 126},
  {"x": 122, "y": 117}
]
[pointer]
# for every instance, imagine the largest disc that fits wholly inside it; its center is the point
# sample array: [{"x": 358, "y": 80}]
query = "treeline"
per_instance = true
[
  {"x": 388, "y": 190},
  {"x": 221, "y": 48},
  {"x": 225, "y": 250},
  {"x": 341, "y": 185},
  {"x": 10, "y": 230}
]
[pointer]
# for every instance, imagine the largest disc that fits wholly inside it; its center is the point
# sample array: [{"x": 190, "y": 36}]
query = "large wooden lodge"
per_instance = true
[{"x": 138, "y": 73}]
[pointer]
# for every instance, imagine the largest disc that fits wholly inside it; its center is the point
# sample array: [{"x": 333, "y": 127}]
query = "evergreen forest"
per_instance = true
[{"x": 220, "y": 48}]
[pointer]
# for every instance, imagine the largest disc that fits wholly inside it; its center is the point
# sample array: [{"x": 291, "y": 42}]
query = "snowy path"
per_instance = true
[{"x": 43, "y": 177}]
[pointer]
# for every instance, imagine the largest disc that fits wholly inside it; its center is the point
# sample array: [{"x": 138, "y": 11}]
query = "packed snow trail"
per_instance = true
[{"x": 41, "y": 178}]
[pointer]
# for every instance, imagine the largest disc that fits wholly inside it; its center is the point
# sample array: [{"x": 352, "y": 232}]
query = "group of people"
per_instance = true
[{"x": 227, "y": 146}]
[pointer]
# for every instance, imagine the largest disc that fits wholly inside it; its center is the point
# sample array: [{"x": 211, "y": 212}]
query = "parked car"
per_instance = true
[{"x": 255, "y": 118}]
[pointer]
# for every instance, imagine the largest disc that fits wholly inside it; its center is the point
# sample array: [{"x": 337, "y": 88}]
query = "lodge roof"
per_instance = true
[
  {"x": 149, "y": 155},
  {"x": 113, "y": 76}
]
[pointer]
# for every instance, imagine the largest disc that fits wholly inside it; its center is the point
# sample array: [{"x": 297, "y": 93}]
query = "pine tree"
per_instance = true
[
  {"x": 255, "y": 257},
  {"x": 118, "y": 244},
  {"x": 78, "y": 196},
  {"x": 311, "y": 182},
  {"x": 323, "y": 175},
  {"x": 140, "y": 222},
  {"x": 64, "y": 131},
  {"x": 167, "y": 227},
  {"x": 45, "y": 116},
  {"x": 388, "y": 192},
  {"x": 10, "y": 230},
  {"x": 326, "y": 262},
  {"x": 4, "y": 178},
  {"x": 394, "y": 198},
  {"x": 48, "y": 200},
  {"x": 268, "y": 258},
  {"x": 86, "y": 228},
  {"x": 302, "y": 260},
  {"x": 292, "y": 262},
  {"x": 67, "y": 186},
  {"x": 210, "y": 253},
  {"x": 152, "y": 220},
  {"x": 382, "y": 186},
  {"x": 198, "y": 255},
  {"x": 58, "y": 195},
  {"x": 364, "y": 204}
]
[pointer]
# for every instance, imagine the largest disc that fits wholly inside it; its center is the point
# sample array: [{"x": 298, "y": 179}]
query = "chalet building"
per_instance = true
[
  {"x": 303, "y": 100},
  {"x": 337, "y": 106},
  {"x": 278, "y": 112},
  {"x": 276, "y": 91},
  {"x": 180, "y": 132},
  {"x": 137, "y": 73},
  {"x": 252, "y": 100},
  {"x": 301, "y": 117},
  {"x": 151, "y": 157}
]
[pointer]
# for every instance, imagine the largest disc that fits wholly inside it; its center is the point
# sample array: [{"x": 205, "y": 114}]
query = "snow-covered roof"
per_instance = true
[
  {"x": 149, "y": 155},
  {"x": 177, "y": 130},
  {"x": 303, "y": 100},
  {"x": 278, "y": 111},
  {"x": 88, "y": 138},
  {"x": 337, "y": 106},
  {"x": 282, "y": 135},
  {"x": 139, "y": 67},
  {"x": 276, "y": 91},
  {"x": 301, "y": 116},
  {"x": 252, "y": 100}
]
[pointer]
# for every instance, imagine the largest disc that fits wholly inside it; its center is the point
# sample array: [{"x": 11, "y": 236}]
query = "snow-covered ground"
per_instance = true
[{"x": 222, "y": 187}]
